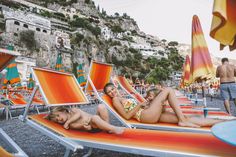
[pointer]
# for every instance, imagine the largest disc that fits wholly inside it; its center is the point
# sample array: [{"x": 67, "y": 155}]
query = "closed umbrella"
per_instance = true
[
  {"x": 80, "y": 75},
  {"x": 186, "y": 75},
  {"x": 58, "y": 66},
  {"x": 223, "y": 26},
  {"x": 12, "y": 75},
  {"x": 30, "y": 84},
  {"x": 201, "y": 64}
]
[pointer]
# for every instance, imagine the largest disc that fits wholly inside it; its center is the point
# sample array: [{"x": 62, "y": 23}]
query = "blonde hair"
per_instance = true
[
  {"x": 52, "y": 115},
  {"x": 154, "y": 90}
]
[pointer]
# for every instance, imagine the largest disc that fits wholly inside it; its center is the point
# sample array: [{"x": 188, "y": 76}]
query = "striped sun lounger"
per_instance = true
[
  {"x": 136, "y": 141},
  {"x": 96, "y": 83}
]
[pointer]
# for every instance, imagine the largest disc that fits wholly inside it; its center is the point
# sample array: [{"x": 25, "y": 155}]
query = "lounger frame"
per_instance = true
[{"x": 18, "y": 151}]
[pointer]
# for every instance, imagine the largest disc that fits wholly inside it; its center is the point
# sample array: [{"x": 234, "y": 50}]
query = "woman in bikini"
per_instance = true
[{"x": 152, "y": 112}]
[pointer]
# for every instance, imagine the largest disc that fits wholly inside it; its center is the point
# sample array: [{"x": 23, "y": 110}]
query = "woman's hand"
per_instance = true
[
  {"x": 87, "y": 126},
  {"x": 66, "y": 126}
]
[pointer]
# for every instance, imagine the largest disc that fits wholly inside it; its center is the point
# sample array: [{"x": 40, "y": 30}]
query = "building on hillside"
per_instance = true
[
  {"x": 59, "y": 25},
  {"x": 106, "y": 33},
  {"x": 23, "y": 65},
  {"x": 62, "y": 39},
  {"x": 18, "y": 21}
]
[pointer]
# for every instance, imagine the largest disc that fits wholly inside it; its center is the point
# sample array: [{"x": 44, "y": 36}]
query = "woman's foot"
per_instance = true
[
  {"x": 188, "y": 124},
  {"x": 117, "y": 130}
]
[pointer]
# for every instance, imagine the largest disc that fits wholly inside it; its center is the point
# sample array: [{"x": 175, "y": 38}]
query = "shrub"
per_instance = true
[{"x": 27, "y": 37}]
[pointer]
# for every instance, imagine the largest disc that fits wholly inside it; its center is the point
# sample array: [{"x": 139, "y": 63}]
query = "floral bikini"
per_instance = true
[{"x": 129, "y": 105}]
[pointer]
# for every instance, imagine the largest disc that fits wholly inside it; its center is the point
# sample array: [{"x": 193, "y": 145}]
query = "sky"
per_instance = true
[{"x": 169, "y": 19}]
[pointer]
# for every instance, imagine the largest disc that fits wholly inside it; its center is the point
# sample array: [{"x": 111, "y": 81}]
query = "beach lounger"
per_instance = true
[
  {"x": 16, "y": 151},
  {"x": 100, "y": 74},
  {"x": 135, "y": 141},
  {"x": 124, "y": 84},
  {"x": 6, "y": 56}
]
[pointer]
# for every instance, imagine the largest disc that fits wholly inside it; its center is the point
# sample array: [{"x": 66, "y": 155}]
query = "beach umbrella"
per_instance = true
[
  {"x": 12, "y": 76},
  {"x": 80, "y": 75},
  {"x": 58, "y": 66},
  {"x": 186, "y": 76},
  {"x": 201, "y": 64},
  {"x": 223, "y": 26},
  {"x": 30, "y": 84}
]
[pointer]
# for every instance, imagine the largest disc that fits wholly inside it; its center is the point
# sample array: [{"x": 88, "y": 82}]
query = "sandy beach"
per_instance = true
[{"x": 35, "y": 144}]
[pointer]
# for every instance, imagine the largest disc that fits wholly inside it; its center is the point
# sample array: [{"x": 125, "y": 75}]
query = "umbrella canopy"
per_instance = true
[
  {"x": 58, "y": 66},
  {"x": 6, "y": 56},
  {"x": 80, "y": 75},
  {"x": 12, "y": 75},
  {"x": 223, "y": 26},
  {"x": 201, "y": 64},
  {"x": 30, "y": 84},
  {"x": 186, "y": 76}
]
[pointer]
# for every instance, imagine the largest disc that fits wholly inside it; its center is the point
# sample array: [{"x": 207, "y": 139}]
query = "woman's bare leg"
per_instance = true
[
  {"x": 204, "y": 121},
  {"x": 170, "y": 117},
  {"x": 103, "y": 113},
  {"x": 153, "y": 113},
  {"x": 97, "y": 122}
]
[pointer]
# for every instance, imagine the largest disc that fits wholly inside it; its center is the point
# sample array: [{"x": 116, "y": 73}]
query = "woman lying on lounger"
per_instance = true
[
  {"x": 151, "y": 112},
  {"x": 75, "y": 118}
]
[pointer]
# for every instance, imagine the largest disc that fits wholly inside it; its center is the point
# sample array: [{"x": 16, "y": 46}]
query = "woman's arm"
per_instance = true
[
  {"x": 76, "y": 115},
  {"x": 120, "y": 108}
]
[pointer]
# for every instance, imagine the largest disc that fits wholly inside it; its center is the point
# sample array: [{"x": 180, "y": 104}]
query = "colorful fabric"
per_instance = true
[
  {"x": 100, "y": 74},
  {"x": 12, "y": 75},
  {"x": 80, "y": 75},
  {"x": 30, "y": 84},
  {"x": 223, "y": 26},
  {"x": 58, "y": 66},
  {"x": 201, "y": 64},
  {"x": 129, "y": 105},
  {"x": 62, "y": 90},
  {"x": 186, "y": 76}
]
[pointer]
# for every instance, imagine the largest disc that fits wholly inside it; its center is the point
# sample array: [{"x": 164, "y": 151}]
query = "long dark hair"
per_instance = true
[{"x": 108, "y": 85}]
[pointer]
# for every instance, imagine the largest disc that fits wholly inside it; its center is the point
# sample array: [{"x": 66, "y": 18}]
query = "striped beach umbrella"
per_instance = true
[
  {"x": 58, "y": 66},
  {"x": 30, "y": 84},
  {"x": 223, "y": 26},
  {"x": 186, "y": 76},
  {"x": 201, "y": 64},
  {"x": 12, "y": 76},
  {"x": 80, "y": 75}
]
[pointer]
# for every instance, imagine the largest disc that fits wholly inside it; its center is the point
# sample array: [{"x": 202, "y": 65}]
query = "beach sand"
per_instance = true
[{"x": 36, "y": 144}]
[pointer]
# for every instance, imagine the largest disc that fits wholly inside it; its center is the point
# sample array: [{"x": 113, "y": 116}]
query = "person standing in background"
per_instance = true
[
  {"x": 226, "y": 72},
  {"x": 211, "y": 92}
]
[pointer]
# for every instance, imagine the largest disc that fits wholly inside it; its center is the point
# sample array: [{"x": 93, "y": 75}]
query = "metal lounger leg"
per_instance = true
[
  {"x": 89, "y": 153},
  {"x": 67, "y": 153}
]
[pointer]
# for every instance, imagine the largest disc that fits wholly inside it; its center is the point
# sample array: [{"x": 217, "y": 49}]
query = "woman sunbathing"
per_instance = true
[
  {"x": 75, "y": 118},
  {"x": 151, "y": 112}
]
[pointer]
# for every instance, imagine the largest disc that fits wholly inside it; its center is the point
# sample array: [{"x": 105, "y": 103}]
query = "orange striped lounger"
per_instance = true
[
  {"x": 98, "y": 80},
  {"x": 146, "y": 142}
]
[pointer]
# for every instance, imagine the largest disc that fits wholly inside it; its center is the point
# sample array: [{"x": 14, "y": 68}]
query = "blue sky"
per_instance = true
[{"x": 169, "y": 19}]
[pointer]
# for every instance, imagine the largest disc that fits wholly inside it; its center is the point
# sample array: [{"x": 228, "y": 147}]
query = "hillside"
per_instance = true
[{"x": 88, "y": 33}]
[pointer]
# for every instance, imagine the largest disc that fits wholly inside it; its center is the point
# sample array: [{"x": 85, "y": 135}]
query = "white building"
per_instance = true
[
  {"x": 106, "y": 33},
  {"x": 23, "y": 65},
  {"x": 58, "y": 36},
  {"x": 17, "y": 21}
]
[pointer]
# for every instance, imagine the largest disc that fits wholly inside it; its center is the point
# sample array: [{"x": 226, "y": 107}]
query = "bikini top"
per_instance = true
[{"x": 129, "y": 105}]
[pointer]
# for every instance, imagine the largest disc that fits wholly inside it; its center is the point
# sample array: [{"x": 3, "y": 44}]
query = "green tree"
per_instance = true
[{"x": 27, "y": 37}]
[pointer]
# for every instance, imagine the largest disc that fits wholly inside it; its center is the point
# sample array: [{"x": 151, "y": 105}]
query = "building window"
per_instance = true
[
  {"x": 44, "y": 31},
  {"x": 25, "y": 25},
  {"x": 16, "y": 23},
  {"x": 38, "y": 29}
]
